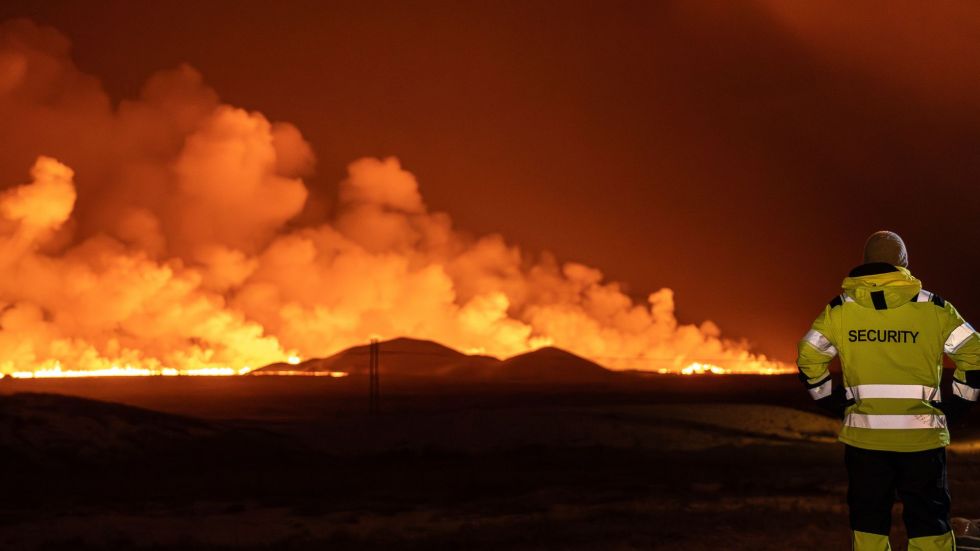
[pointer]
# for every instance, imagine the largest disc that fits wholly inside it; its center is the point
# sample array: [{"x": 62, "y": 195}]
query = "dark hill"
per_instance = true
[
  {"x": 414, "y": 358},
  {"x": 400, "y": 357},
  {"x": 555, "y": 365}
]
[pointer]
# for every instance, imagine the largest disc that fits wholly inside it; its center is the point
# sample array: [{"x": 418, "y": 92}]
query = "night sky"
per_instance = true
[{"x": 739, "y": 154}]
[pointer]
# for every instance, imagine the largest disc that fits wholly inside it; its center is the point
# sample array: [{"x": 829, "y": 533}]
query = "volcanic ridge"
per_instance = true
[{"x": 415, "y": 358}]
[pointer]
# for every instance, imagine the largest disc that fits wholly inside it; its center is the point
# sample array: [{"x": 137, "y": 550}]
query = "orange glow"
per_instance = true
[
  {"x": 698, "y": 368},
  {"x": 748, "y": 368},
  {"x": 271, "y": 310},
  {"x": 295, "y": 373},
  {"x": 56, "y": 372},
  {"x": 201, "y": 265}
]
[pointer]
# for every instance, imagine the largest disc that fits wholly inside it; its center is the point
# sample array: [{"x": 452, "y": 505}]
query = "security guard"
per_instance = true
[{"x": 891, "y": 335}]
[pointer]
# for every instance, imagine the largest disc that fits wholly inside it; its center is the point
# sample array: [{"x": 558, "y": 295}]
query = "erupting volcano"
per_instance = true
[{"x": 170, "y": 234}]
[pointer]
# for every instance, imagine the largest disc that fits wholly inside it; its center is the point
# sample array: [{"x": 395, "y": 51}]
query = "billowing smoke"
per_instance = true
[{"x": 153, "y": 233}]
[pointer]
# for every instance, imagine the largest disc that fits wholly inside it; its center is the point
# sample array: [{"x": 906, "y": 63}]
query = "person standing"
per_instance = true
[{"x": 891, "y": 336}]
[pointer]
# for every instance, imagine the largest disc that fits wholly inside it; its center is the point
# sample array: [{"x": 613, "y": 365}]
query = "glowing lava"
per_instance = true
[
  {"x": 56, "y": 372},
  {"x": 297, "y": 373},
  {"x": 698, "y": 368}
]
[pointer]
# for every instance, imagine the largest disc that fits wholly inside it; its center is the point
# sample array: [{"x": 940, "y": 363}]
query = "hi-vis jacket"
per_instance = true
[{"x": 891, "y": 336}]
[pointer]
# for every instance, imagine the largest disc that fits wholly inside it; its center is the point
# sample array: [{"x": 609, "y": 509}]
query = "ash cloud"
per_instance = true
[{"x": 155, "y": 233}]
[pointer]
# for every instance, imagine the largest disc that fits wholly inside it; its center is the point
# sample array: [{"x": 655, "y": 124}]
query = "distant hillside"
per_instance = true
[
  {"x": 553, "y": 364},
  {"x": 404, "y": 357},
  {"x": 41, "y": 429}
]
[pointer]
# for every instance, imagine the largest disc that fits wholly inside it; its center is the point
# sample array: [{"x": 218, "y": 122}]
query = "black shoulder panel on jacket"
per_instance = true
[
  {"x": 835, "y": 302},
  {"x": 878, "y": 300},
  {"x": 938, "y": 300},
  {"x": 973, "y": 378}
]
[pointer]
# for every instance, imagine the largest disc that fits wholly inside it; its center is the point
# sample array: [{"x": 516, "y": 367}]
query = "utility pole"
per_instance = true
[{"x": 375, "y": 378}]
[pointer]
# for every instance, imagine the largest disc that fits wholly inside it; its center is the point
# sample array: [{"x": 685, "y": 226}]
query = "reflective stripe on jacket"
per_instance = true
[{"x": 890, "y": 335}]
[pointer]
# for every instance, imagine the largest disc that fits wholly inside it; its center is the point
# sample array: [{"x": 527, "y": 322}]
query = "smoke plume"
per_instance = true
[{"x": 153, "y": 233}]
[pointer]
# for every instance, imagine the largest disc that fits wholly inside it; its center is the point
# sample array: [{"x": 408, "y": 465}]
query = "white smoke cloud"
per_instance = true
[{"x": 167, "y": 247}]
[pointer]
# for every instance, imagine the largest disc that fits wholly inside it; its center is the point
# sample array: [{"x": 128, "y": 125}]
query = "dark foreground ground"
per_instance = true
[{"x": 725, "y": 463}]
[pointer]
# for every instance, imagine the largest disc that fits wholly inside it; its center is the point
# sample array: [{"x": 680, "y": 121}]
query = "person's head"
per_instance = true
[{"x": 887, "y": 247}]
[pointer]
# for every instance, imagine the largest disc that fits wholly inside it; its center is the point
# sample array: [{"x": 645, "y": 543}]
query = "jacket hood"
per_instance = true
[{"x": 881, "y": 286}]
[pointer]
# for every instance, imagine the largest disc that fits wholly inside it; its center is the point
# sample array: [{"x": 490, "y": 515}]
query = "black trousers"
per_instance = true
[{"x": 919, "y": 478}]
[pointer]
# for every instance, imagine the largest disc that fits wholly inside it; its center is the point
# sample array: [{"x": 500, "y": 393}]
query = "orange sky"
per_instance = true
[{"x": 736, "y": 154}]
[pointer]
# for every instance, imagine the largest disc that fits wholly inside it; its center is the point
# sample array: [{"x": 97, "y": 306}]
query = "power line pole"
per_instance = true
[{"x": 375, "y": 378}]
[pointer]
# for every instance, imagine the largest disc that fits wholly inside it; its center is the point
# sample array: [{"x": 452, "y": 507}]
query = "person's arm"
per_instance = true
[
  {"x": 815, "y": 351},
  {"x": 962, "y": 345}
]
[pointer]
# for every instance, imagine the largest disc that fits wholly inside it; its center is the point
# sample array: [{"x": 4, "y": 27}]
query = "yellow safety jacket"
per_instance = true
[{"x": 891, "y": 336}]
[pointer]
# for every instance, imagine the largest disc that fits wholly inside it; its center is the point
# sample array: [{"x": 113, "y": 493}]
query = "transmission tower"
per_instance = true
[{"x": 375, "y": 379}]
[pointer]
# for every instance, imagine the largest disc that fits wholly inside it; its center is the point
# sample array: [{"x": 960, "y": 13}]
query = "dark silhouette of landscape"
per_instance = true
[
  {"x": 544, "y": 450},
  {"x": 414, "y": 358}
]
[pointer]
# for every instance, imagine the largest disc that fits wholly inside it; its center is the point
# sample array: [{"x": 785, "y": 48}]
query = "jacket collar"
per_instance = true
[
  {"x": 881, "y": 286},
  {"x": 872, "y": 268}
]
